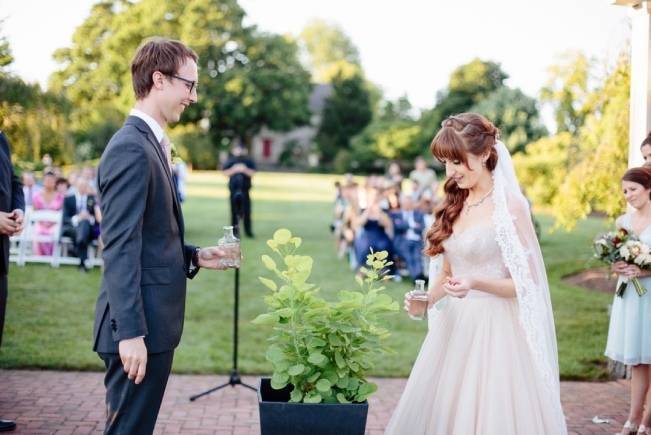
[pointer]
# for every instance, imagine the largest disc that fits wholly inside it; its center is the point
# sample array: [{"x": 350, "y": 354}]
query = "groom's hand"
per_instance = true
[
  {"x": 133, "y": 354},
  {"x": 210, "y": 257}
]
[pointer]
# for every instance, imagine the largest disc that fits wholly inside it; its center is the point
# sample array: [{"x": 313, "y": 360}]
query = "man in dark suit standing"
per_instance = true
[
  {"x": 81, "y": 219},
  {"x": 140, "y": 308},
  {"x": 239, "y": 169},
  {"x": 12, "y": 204}
]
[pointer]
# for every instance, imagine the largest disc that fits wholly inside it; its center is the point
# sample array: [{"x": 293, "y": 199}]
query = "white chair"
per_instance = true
[{"x": 30, "y": 236}]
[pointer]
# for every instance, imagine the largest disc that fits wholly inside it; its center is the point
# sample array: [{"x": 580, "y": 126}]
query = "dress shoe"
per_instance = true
[{"x": 7, "y": 425}]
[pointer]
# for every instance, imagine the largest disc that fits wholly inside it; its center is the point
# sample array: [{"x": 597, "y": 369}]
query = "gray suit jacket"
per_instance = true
[{"x": 146, "y": 261}]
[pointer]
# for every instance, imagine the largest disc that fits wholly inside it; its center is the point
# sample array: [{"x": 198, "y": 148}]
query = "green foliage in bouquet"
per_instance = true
[{"x": 323, "y": 348}]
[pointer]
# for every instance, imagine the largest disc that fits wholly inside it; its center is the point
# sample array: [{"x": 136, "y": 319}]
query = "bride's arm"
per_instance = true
[
  {"x": 436, "y": 290},
  {"x": 503, "y": 287}
]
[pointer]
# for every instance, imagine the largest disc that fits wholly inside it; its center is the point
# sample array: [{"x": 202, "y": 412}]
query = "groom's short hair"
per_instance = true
[{"x": 157, "y": 54}]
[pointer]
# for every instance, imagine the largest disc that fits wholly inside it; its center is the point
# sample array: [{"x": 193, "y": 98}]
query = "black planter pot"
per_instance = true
[{"x": 279, "y": 417}]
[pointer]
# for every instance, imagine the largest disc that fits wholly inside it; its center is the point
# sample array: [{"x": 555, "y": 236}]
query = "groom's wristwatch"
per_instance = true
[{"x": 194, "y": 262}]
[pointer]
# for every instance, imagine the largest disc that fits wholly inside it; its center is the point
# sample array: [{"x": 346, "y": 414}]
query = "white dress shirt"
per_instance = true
[{"x": 151, "y": 122}]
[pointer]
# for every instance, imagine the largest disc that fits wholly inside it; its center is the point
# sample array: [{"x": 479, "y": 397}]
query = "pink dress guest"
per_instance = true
[{"x": 46, "y": 228}]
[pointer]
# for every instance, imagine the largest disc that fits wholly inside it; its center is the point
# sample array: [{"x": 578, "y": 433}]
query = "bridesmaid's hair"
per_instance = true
[
  {"x": 640, "y": 175},
  {"x": 459, "y": 135},
  {"x": 646, "y": 141}
]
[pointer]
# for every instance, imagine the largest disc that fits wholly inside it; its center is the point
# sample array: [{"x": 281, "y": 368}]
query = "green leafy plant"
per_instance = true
[{"x": 323, "y": 348}]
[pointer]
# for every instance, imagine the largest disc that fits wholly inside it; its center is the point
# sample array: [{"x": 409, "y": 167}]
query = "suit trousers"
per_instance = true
[
  {"x": 131, "y": 408},
  {"x": 81, "y": 235},
  {"x": 3, "y": 302},
  {"x": 245, "y": 211}
]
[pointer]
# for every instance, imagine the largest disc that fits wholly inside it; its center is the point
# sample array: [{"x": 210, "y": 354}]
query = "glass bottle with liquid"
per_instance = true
[
  {"x": 231, "y": 247},
  {"x": 418, "y": 301}
]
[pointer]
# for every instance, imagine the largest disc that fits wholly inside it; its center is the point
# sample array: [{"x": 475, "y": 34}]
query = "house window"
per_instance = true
[{"x": 266, "y": 148}]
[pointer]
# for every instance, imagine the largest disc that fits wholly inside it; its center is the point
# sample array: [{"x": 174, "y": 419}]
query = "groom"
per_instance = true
[{"x": 140, "y": 308}]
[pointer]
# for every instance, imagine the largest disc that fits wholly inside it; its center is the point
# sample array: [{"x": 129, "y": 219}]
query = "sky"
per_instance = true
[{"x": 407, "y": 47}]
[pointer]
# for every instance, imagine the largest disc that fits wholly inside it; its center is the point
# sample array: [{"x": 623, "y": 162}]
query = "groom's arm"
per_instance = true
[{"x": 123, "y": 185}]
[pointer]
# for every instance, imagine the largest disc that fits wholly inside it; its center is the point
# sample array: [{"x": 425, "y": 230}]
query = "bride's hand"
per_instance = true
[
  {"x": 457, "y": 287},
  {"x": 407, "y": 302}
]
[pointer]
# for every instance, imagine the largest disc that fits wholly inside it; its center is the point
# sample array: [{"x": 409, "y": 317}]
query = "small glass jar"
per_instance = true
[
  {"x": 418, "y": 301},
  {"x": 231, "y": 247}
]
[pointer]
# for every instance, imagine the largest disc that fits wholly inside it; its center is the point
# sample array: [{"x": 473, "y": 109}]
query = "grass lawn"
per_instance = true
[{"x": 50, "y": 311}]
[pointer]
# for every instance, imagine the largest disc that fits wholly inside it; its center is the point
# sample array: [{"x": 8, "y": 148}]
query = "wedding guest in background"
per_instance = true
[
  {"x": 47, "y": 161},
  {"x": 180, "y": 174},
  {"x": 72, "y": 181},
  {"x": 422, "y": 177},
  {"x": 81, "y": 217},
  {"x": 394, "y": 175},
  {"x": 630, "y": 319},
  {"x": 90, "y": 174},
  {"x": 408, "y": 226},
  {"x": 62, "y": 186},
  {"x": 29, "y": 187},
  {"x": 12, "y": 205},
  {"x": 240, "y": 169},
  {"x": 373, "y": 229},
  {"x": 48, "y": 198},
  {"x": 57, "y": 171}
]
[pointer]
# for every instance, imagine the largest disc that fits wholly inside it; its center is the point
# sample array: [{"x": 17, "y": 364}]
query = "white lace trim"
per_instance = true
[{"x": 530, "y": 298}]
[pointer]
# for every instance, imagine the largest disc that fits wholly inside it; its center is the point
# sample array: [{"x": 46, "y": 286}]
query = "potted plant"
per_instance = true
[{"x": 320, "y": 350}]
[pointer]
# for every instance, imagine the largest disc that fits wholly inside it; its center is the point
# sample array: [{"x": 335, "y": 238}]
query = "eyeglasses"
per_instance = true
[{"x": 190, "y": 84}]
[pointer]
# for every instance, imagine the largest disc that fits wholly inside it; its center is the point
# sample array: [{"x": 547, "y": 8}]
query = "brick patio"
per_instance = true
[{"x": 48, "y": 402}]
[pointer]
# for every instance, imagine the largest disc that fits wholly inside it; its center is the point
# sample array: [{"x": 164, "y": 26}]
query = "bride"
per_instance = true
[{"x": 488, "y": 364}]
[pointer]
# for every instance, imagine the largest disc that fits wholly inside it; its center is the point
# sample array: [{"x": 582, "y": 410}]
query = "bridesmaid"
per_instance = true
[
  {"x": 645, "y": 148},
  {"x": 629, "y": 333}
]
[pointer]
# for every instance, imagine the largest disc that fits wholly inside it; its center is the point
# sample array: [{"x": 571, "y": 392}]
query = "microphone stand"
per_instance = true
[{"x": 234, "y": 378}]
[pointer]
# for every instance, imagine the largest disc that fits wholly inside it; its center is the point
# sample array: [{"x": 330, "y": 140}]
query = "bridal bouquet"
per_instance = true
[{"x": 623, "y": 246}]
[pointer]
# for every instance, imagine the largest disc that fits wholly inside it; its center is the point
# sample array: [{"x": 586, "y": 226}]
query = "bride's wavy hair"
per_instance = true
[{"x": 459, "y": 135}]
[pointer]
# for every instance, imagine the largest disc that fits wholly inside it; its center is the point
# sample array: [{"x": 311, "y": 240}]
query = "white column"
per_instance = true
[{"x": 640, "y": 116}]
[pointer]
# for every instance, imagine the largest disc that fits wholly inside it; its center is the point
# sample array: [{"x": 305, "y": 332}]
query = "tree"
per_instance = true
[
  {"x": 256, "y": 76},
  {"x": 34, "y": 120},
  {"x": 5, "y": 51},
  {"x": 567, "y": 90},
  {"x": 594, "y": 182},
  {"x": 270, "y": 89},
  {"x": 347, "y": 111},
  {"x": 327, "y": 47},
  {"x": 469, "y": 84},
  {"x": 542, "y": 168},
  {"x": 515, "y": 114}
]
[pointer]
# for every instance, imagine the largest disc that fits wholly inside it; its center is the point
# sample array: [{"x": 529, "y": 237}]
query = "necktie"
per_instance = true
[{"x": 167, "y": 150}]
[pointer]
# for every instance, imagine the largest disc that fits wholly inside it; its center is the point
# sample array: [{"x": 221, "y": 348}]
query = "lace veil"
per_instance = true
[{"x": 521, "y": 254}]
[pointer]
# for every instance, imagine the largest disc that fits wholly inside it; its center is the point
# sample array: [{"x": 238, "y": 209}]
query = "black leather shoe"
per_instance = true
[{"x": 7, "y": 425}]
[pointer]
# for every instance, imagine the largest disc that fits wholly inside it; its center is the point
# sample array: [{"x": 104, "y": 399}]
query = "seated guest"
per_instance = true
[
  {"x": 46, "y": 199},
  {"x": 81, "y": 219},
  {"x": 29, "y": 187},
  {"x": 373, "y": 229},
  {"x": 424, "y": 178},
  {"x": 408, "y": 226},
  {"x": 62, "y": 186}
]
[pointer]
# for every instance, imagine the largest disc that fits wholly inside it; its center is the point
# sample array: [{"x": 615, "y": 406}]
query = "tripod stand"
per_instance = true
[{"x": 234, "y": 378}]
